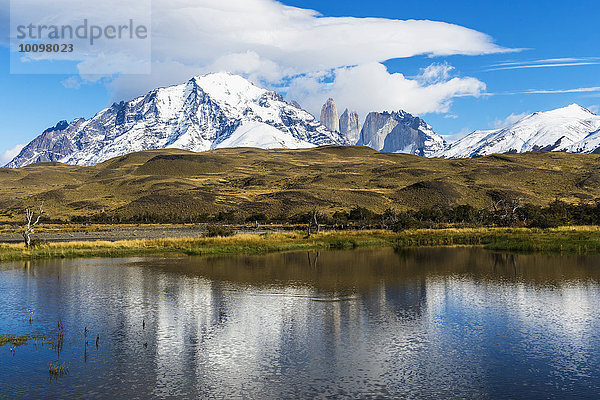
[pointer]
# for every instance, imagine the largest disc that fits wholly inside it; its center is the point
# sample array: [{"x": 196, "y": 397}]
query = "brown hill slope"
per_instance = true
[{"x": 286, "y": 182}]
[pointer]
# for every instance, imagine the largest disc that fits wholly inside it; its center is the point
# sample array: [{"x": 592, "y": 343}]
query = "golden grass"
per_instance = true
[
  {"x": 238, "y": 244},
  {"x": 583, "y": 240},
  {"x": 287, "y": 182},
  {"x": 14, "y": 340}
]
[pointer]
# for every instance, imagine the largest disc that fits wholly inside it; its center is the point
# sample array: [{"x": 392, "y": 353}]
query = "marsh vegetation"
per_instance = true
[{"x": 574, "y": 240}]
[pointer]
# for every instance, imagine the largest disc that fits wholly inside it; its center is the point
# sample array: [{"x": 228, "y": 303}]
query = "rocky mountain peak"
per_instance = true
[
  {"x": 61, "y": 125},
  {"x": 329, "y": 116},
  {"x": 400, "y": 132},
  {"x": 350, "y": 125}
]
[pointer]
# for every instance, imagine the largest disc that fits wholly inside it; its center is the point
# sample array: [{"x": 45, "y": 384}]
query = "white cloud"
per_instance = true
[
  {"x": 575, "y": 64},
  {"x": 457, "y": 136},
  {"x": 436, "y": 73},
  {"x": 508, "y": 121},
  {"x": 88, "y": 21},
  {"x": 545, "y": 63},
  {"x": 562, "y": 91},
  {"x": 272, "y": 43},
  {"x": 593, "y": 90},
  {"x": 371, "y": 87},
  {"x": 299, "y": 39},
  {"x": 595, "y": 108},
  {"x": 72, "y": 82},
  {"x": 163, "y": 74},
  {"x": 9, "y": 154}
]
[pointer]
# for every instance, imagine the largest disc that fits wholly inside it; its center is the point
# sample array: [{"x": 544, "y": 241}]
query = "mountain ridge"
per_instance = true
[
  {"x": 571, "y": 129},
  {"x": 207, "y": 112},
  {"x": 224, "y": 110}
]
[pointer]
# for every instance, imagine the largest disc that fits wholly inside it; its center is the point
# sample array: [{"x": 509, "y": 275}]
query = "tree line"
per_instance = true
[{"x": 502, "y": 213}]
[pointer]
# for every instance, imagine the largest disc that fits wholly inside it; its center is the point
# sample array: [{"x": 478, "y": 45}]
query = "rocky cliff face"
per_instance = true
[
  {"x": 400, "y": 132},
  {"x": 329, "y": 116},
  {"x": 207, "y": 112},
  {"x": 350, "y": 126}
]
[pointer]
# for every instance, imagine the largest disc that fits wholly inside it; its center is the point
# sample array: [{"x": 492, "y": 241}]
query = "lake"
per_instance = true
[{"x": 375, "y": 323}]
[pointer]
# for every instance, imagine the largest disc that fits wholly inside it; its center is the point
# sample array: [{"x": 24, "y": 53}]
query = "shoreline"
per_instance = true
[
  {"x": 54, "y": 233},
  {"x": 567, "y": 240}
]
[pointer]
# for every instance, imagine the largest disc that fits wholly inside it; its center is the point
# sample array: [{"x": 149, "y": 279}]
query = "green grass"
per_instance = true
[
  {"x": 577, "y": 240},
  {"x": 573, "y": 240}
]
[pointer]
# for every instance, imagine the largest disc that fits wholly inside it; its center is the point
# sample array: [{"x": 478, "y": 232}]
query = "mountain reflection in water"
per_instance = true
[{"x": 453, "y": 322}]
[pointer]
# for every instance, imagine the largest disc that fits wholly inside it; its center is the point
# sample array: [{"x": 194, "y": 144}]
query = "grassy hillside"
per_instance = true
[{"x": 286, "y": 182}]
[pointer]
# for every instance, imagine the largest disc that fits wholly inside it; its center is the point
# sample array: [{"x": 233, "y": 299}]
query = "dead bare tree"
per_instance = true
[
  {"x": 389, "y": 218},
  {"x": 506, "y": 211},
  {"x": 315, "y": 214},
  {"x": 313, "y": 221},
  {"x": 31, "y": 223}
]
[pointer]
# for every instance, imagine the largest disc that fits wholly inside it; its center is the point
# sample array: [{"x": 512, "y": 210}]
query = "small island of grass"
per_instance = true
[{"x": 14, "y": 340}]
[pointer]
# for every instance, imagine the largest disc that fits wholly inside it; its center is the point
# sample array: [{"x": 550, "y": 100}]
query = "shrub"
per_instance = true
[
  {"x": 340, "y": 217},
  {"x": 361, "y": 214},
  {"x": 544, "y": 221},
  {"x": 301, "y": 218},
  {"x": 228, "y": 216},
  {"x": 405, "y": 221},
  {"x": 260, "y": 217},
  {"x": 218, "y": 230},
  {"x": 36, "y": 242}
]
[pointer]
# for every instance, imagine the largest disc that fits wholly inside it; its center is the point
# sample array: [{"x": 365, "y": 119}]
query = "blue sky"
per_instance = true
[
  {"x": 558, "y": 63},
  {"x": 549, "y": 29}
]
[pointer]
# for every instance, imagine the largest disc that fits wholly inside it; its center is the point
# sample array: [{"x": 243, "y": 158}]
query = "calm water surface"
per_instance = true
[{"x": 426, "y": 323}]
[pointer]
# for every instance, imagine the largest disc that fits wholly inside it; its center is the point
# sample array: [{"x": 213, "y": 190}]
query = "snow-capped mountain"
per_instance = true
[
  {"x": 589, "y": 144},
  {"x": 400, "y": 132},
  {"x": 572, "y": 128},
  {"x": 208, "y": 112}
]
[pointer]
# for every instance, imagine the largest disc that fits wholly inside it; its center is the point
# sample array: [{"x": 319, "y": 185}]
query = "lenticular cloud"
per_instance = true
[{"x": 274, "y": 44}]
